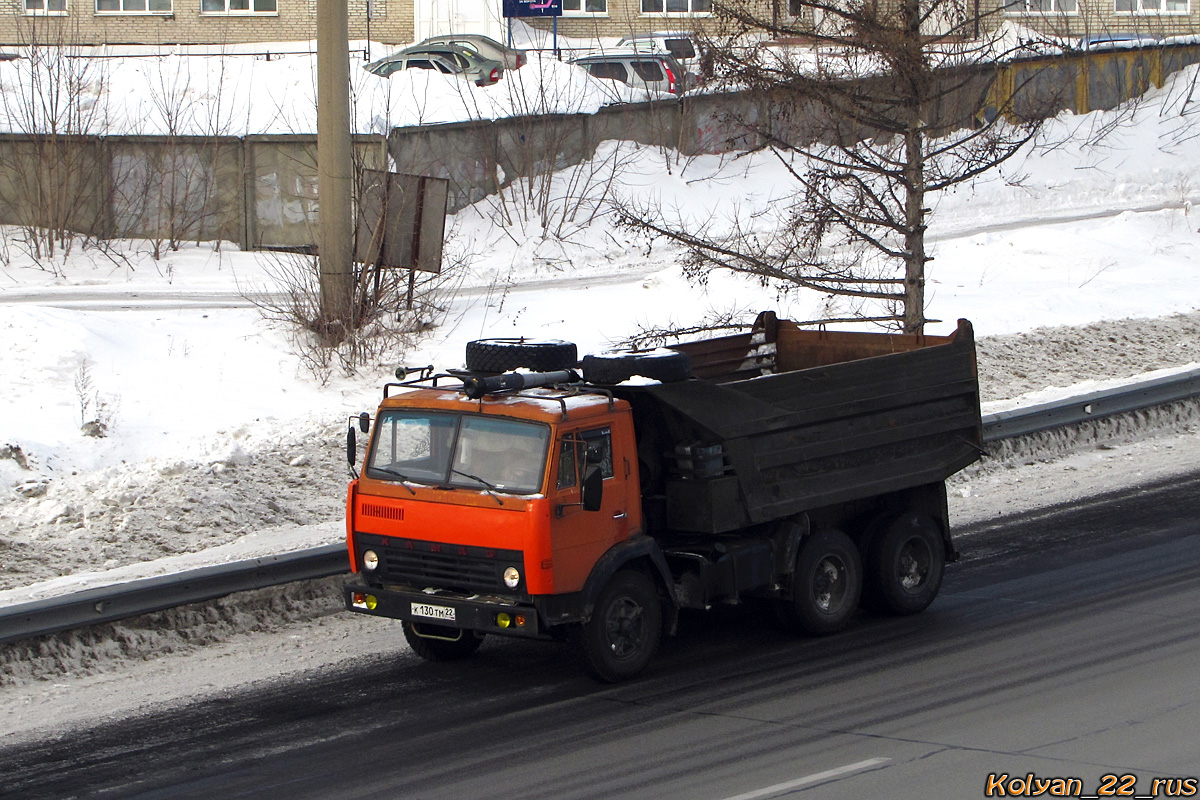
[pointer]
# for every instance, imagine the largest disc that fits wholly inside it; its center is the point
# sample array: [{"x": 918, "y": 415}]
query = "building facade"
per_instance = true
[
  {"x": 209, "y": 22},
  {"x": 1096, "y": 19},
  {"x": 220, "y": 22}
]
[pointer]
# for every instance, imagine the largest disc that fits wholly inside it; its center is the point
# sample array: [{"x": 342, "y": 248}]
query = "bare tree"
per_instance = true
[
  {"x": 53, "y": 103},
  {"x": 876, "y": 107}
]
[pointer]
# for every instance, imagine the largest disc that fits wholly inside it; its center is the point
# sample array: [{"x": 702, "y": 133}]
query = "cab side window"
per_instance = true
[
  {"x": 568, "y": 461},
  {"x": 598, "y": 442},
  {"x": 573, "y": 458}
]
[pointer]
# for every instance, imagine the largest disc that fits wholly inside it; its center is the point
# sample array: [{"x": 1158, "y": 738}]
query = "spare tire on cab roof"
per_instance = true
[
  {"x": 505, "y": 355},
  {"x": 665, "y": 366}
]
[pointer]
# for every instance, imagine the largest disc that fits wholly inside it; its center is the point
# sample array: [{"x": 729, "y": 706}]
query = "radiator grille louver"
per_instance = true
[
  {"x": 381, "y": 512},
  {"x": 444, "y": 566}
]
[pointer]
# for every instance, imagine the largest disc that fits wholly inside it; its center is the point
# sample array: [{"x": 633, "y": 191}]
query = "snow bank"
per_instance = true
[{"x": 182, "y": 93}]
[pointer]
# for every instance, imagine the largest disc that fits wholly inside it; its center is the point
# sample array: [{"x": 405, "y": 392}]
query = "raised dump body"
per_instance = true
[{"x": 804, "y": 419}]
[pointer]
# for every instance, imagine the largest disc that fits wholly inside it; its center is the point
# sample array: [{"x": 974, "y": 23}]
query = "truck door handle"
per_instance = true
[{"x": 619, "y": 515}]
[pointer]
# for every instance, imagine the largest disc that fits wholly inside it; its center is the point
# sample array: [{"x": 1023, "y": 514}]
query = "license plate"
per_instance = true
[{"x": 433, "y": 612}]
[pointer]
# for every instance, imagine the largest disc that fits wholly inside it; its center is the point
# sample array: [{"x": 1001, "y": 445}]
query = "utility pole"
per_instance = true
[{"x": 335, "y": 170}]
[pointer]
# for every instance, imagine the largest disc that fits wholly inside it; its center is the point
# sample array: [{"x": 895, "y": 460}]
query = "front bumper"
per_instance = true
[{"x": 446, "y": 609}]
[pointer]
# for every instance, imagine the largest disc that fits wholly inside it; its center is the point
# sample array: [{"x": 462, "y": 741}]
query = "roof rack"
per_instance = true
[{"x": 511, "y": 384}]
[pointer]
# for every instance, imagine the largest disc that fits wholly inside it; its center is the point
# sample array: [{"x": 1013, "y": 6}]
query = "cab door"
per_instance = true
[{"x": 579, "y": 537}]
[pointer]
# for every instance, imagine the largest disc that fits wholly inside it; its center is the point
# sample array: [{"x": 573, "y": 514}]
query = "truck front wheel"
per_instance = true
[
  {"x": 906, "y": 564},
  {"x": 826, "y": 585},
  {"x": 441, "y": 644},
  {"x": 621, "y": 637}
]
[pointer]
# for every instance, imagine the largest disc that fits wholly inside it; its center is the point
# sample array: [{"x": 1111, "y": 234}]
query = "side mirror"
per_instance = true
[
  {"x": 593, "y": 490},
  {"x": 364, "y": 422},
  {"x": 351, "y": 447}
]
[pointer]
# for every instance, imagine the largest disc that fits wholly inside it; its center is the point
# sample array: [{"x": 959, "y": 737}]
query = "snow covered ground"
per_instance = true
[
  {"x": 222, "y": 445},
  {"x": 237, "y": 90},
  {"x": 1078, "y": 264}
]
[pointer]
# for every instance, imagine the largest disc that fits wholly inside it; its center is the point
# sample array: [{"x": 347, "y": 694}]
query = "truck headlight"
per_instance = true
[
  {"x": 370, "y": 560},
  {"x": 512, "y": 577}
]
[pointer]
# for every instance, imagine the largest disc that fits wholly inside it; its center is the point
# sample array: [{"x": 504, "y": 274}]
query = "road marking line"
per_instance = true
[{"x": 808, "y": 780}]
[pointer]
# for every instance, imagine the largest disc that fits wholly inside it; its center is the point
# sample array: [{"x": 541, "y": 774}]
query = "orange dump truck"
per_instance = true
[{"x": 533, "y": 496}]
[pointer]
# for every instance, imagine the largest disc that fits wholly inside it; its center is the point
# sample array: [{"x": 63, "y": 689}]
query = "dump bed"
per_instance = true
[{"x": 784, "y": 420}]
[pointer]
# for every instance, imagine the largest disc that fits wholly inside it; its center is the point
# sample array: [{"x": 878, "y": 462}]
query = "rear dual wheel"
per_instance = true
[
  {"x": 905, "y": 565},
  {"x": 826, "y": 585}
]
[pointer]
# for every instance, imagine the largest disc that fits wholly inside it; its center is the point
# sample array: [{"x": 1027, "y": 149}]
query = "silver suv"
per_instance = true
[
  {"x": 678, "y": 44},
  {"x": 654, "y": 71}
]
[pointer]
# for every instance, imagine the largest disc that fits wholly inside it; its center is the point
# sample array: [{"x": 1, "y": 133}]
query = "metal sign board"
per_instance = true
[
  {"x": 401, "y": 221},
  {"x": 532, "y": 8}
]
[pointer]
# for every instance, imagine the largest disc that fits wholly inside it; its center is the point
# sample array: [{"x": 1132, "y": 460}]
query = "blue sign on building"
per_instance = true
[{"x": 532, "y": 8}]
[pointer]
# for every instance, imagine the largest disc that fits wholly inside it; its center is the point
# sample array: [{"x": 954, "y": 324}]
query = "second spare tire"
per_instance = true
[{"x": 665, "y": 366}]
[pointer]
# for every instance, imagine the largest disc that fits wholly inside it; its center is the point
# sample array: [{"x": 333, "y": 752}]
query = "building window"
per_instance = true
[
  {"x": 237, "y": 7},
  {"x": 584, "y": 7},
  {"x": 1151, "y": 6},
  {"x": 1043, "y": 6},
  {"x": 133, "y": 6},
  {"x": 676, "y": 6},
  {"x": 48, "y": 7}
]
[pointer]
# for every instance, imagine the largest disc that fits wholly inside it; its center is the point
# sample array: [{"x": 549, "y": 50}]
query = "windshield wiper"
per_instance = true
[
  {"x": 489, "y": 488},
  {"x": 403, "y": 478}
]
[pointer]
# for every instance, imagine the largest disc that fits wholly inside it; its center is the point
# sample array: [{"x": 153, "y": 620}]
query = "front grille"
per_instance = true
[{"x": 443, "y": 566}]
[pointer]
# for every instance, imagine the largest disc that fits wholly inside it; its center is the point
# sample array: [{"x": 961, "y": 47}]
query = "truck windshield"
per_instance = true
[{"x": 485, "y": 453}]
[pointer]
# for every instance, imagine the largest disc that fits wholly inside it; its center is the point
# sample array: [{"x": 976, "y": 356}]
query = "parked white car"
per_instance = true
[{"x": 642, "y": 70}]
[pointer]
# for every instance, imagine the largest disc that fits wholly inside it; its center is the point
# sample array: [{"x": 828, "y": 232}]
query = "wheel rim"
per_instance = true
[
  {"x": 830, "y": 584},
  {"x": 912, "y": 565},
  {"x": 625, "y": 627}
]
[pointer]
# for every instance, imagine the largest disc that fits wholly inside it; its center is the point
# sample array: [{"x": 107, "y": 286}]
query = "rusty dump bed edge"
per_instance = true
[{"x": 844, "y": 416}]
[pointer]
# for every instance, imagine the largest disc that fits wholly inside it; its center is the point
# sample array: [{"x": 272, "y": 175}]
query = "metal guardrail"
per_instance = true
[
  {"x": 124, "y": 600},
  {"x": 121, "y": 601},
  {"x": 1095, "y": 405}
]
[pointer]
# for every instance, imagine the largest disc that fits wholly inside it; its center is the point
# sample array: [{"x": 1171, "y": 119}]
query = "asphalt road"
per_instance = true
[{"x": 1065, "y": 644}]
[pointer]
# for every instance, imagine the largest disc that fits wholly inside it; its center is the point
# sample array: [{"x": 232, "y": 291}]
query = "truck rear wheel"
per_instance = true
[
  {"x": 439, "y": 643},
  {"x": 906, "y": 564},
  {"x": 621, "y": 637},
  {"x": 826, "y": 585}
]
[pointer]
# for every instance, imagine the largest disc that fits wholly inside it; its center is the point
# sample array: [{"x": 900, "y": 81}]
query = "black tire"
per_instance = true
[
  {"x": 906, "y": 564},
  {"x": 448, "y": 648},
  {"x": 505, "y": 355},
  {"x": 623, "y": 634},
  {"x": 665, "y": 366},
  {"x": 826, "y": 585}
]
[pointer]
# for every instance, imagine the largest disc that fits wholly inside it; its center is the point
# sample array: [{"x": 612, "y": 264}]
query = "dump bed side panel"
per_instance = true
[{"x": 829, "y": 434}]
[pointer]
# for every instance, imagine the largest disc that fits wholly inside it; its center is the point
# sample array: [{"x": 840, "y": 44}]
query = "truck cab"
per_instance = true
[{"x": 473, "y": 517}]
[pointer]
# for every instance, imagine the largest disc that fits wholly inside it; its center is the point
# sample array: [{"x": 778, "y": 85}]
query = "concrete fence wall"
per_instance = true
[
  {"x": 256, "y": 191},
  {"x": 479, "y": 157},
  {"x": 261, "y": 191}
]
